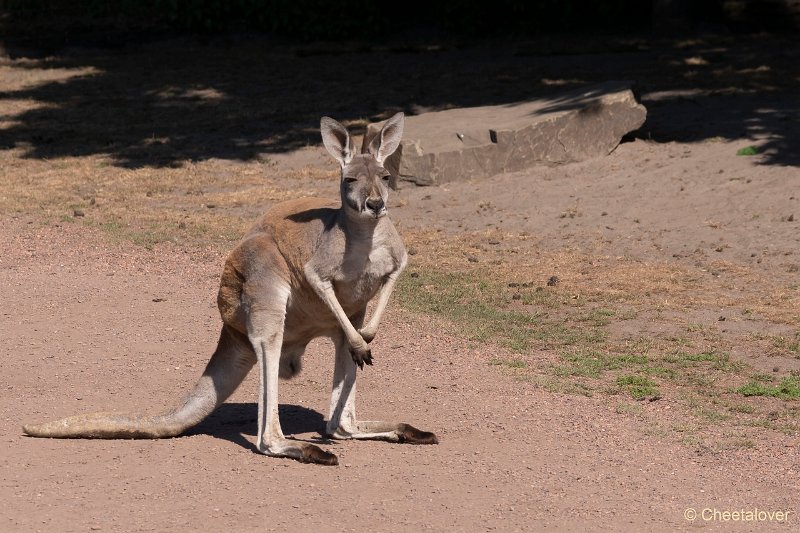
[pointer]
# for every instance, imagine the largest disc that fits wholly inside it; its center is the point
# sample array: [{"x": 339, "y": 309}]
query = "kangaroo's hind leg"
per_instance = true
[
  {"x": 265, "y": 323},
  {"x": 343, "y": 423}
]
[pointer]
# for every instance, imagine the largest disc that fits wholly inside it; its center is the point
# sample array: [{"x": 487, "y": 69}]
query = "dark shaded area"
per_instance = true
[
  {"x": 57, "y": 23},
  {"x": 231, "y": 421},
  {"x": 160, "y": 83},
  {"x": 110, "y": 21},
  {"x": 245, "y": 97}
]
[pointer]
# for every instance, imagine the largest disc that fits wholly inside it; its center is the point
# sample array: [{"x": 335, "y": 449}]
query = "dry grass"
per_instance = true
[
  {"x": 589, "y": 322},
  {"x": 587, "y": 280},
  {"x": 212, "y": 202}
]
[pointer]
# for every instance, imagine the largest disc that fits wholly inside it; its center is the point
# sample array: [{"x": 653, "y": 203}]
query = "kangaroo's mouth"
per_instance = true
[
  {"x": 374, "y": 214},
  {"x": 373, "y": 210}
]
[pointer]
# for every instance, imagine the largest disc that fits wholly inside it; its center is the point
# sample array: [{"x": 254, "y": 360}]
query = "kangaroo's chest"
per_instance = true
[{"x": 362, "y": 274}]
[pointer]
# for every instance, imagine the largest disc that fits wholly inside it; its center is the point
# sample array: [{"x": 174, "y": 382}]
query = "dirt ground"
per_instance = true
[{"x": 690, "y": 239}]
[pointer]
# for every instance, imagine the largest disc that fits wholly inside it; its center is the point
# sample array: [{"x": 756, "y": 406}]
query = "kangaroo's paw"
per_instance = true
[
  {"x": 361, "y": 356},
  {"x": 411, "y": 435}
]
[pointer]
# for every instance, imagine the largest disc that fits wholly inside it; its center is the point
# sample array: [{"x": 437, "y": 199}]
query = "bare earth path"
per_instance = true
[{"x": 82, "y": 331}]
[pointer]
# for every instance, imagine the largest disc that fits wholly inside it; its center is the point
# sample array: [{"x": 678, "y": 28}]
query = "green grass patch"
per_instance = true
[
  {"x": 517, "y": 364},
  {"x": 541, "y": 297},
  {"x": 481, "y": 310},
  {"x": 599, "y": 317},
  {"x": 592, "y": 363},
  {"x": 638, "y": 387},
  {"x": 747, "y": 150},
  {"x": 718, "y": 360},
  {"x": 787, "y": 389},
  {"x": 699, "y": 357},
  {"x": 743, "y": 408}
]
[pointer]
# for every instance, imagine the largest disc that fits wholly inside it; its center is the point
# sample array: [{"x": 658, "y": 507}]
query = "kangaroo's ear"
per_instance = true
[
  {"x": 337, "y": 140},
  {"x": 386, "y": 142}
]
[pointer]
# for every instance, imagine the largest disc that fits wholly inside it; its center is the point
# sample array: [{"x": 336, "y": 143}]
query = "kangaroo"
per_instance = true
[{"x": 308, "y": 268}]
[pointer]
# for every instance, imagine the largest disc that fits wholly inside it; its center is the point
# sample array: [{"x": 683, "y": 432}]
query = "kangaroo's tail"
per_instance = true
[{"x": 232, "y": 360}]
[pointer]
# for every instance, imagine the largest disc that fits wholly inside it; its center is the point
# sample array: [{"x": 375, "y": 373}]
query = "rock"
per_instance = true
[{"x": 476, "y": 142}]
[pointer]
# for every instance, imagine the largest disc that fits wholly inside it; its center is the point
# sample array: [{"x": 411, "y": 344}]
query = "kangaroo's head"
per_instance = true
[{"x": 365, "y": 183}]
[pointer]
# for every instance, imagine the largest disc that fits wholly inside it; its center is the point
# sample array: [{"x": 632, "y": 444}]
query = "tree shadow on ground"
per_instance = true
[
  {"x": 232, "y": 421},
  {"x": 164, "y": 103}
]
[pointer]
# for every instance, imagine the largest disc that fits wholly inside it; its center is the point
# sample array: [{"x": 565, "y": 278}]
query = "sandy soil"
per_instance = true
[
  {"x": 91, "y": 324},
  {"x": 83, "y": 332}
]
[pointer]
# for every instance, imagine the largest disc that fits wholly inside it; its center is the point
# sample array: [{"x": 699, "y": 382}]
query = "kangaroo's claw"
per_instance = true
[{"x": 361, "y": 356}]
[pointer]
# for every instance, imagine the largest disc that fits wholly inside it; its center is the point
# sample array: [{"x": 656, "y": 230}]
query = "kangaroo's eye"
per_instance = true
[
  {"x": 350, "y": 180},
  {"x": 386, "y": 177}
]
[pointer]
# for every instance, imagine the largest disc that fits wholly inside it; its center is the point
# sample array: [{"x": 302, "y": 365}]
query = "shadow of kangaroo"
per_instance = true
[{"x": 308, "y": 268}]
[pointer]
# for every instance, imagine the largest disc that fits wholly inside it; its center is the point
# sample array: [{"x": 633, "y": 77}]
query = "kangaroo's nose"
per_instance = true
[{"x": 375, "y": 204}]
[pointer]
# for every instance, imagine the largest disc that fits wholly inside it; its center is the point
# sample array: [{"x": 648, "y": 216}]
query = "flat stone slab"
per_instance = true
[{"x": 475, "y": 142}]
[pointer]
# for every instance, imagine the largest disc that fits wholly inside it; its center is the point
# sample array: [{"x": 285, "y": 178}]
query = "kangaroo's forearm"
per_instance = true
[
  {"x": 369, "y": 331},
  {"x": 324, "y": 289}
]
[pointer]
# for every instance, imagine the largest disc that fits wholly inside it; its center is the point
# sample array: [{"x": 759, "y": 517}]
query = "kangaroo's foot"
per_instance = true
[
  {"x": 410, "y": 435},
  {"x": 391, "y": 432},
  {"x": 303, "y": 452}
]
